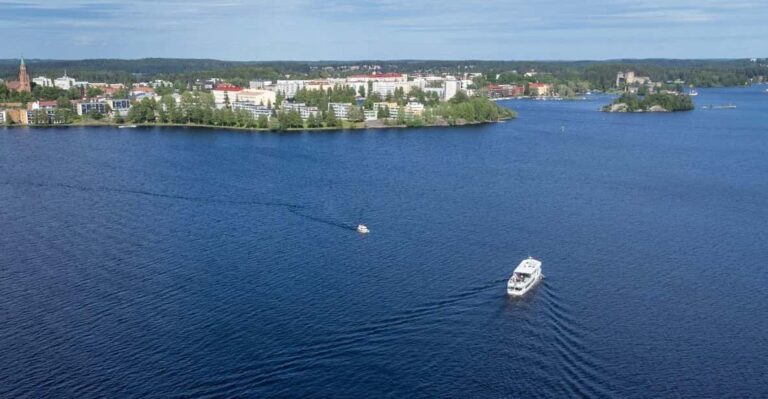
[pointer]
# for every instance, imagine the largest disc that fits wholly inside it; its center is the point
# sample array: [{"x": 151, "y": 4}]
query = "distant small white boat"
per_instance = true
[
  {"x": 525, "y": 277},
  {"x": 693, "y": 93},
  {"x": 362, "y": 229},
  {"x": 126, "y": 126}
]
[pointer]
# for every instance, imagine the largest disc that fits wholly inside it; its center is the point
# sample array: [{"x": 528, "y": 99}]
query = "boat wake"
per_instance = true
[
  {"x": 580, "y": 371},
  {"x": 295, "y": 209},
  {"x": 282, "y": 364}
]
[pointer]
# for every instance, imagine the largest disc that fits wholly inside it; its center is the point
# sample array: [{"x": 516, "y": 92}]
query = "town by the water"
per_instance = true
[{"x": 357, "y": 96}]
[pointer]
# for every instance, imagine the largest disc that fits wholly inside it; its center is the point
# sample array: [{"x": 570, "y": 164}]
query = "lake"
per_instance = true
[{"x": 171, "y": 262}]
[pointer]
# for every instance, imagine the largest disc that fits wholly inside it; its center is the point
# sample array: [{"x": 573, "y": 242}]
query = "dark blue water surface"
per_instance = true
[{"x": 202, "y": 263}]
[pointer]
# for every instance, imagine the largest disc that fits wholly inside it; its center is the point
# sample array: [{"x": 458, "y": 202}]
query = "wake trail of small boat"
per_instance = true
[
  {"x": 286, "y": 205},
  {"x": 295, "y": 211},
  {"x": 333, "y": 345},
  {"x": 293, "y": 208}
]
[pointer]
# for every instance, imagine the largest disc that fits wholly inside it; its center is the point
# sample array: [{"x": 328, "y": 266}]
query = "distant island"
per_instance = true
[{"x": 656, "y": 102}]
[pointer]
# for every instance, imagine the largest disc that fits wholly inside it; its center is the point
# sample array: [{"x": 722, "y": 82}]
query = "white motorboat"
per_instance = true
[
  {"x": 126, "y": 127},
  {"x": 362, "y": 229},
  {"x": 525, "y": 276}
]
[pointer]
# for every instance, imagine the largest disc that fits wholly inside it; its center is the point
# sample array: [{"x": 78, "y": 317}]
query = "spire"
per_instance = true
[{"x": 24, "y": 84}]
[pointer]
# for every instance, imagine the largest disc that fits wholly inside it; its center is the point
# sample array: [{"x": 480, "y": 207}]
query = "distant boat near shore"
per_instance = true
[
  {"x": 725, "y": 106},
  {"x": 126, "y": 126}
]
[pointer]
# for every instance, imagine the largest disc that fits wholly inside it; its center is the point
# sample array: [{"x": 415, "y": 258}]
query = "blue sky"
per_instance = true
[{"x": 384, "y": 29}]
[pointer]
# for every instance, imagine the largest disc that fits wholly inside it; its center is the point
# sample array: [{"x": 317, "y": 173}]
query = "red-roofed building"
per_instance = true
[
  {"x": 109, "y": 90},
  {"x": 227, "y": 87},
  {"x": 142, "y": 89},
  {"x": 43, "y": 104},
  {"x": 497, "y": 91},
  {"x": 225, "y": 94}
]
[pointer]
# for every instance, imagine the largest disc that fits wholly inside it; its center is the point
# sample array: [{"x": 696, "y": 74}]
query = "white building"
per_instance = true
[
  {"x": 84, "y": 107},
  {"x": 259, "y": 84},
  {"x": 450, "y": 88},
  {"x": 370, "y": 115},
  {"x": 413, "y": 109},
  {"x": 303, "y": 110},
  {"x": 263, "y": 97},
  {"x": 289, "y": 88},
  {"x": 420, "y": 83},
  {"x": 393, "y": 108},
  {"x": 387, "y": 87},
  {"x": 437, "y": 90},
  {"x": 3, "y": 116},
  {"x": 355, "y": 83},
  {"x": 43, "y": 81},
  {"x": 64, "y": 82},
  {"x": 340, "y": 110},
  {"x": 119, "y": 106},
  {"x": 160, "y": 83},
  {"x": 256, "y": 110}
]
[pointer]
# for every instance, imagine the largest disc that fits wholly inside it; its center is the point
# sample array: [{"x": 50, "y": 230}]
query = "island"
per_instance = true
[
  {"x": 656, "y": 102},
  {"x": 355, "y": 101}
]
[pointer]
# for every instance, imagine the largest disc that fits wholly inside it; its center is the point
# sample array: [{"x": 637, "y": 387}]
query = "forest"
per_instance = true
[{"x": 596, "y": 75}]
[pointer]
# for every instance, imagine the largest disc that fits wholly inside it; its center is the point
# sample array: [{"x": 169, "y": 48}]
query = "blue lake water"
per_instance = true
[{"x": 200, "y": 263}]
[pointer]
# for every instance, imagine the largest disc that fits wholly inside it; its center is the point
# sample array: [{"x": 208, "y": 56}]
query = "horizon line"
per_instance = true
[{"x": 390, "y": 59}]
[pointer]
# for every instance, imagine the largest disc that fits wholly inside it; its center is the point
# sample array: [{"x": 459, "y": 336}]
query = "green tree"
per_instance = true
[
  {"x": 94, "y": 114},
  {"x": 143, "y": 111},
  {"x": 262, "y": 122},
  {"x": 383, "y": 113},
  {"x": 355, "y": 114},
  {"x": 40, "y": 117},
  {"x": 311, "y": 121},
  {"x": 331, "y": 120},
  {"x": 93, "y": 91},
  {"x": 122, "y": 92},
  {"x": 63, "y": 115}
]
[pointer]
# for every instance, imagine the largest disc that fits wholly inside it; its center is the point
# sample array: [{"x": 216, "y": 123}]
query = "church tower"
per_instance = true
[{"x": 24, "y": 84}]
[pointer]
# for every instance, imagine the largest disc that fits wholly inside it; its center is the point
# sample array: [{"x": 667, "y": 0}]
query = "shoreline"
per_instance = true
[{"x": 256, "y": 130}]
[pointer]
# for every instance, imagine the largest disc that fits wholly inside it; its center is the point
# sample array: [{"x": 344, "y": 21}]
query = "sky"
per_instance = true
[{"x": 260, "y": 30}]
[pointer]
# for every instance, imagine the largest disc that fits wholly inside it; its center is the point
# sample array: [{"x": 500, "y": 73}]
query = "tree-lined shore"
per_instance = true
[{"x": 197, "y": 108}]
